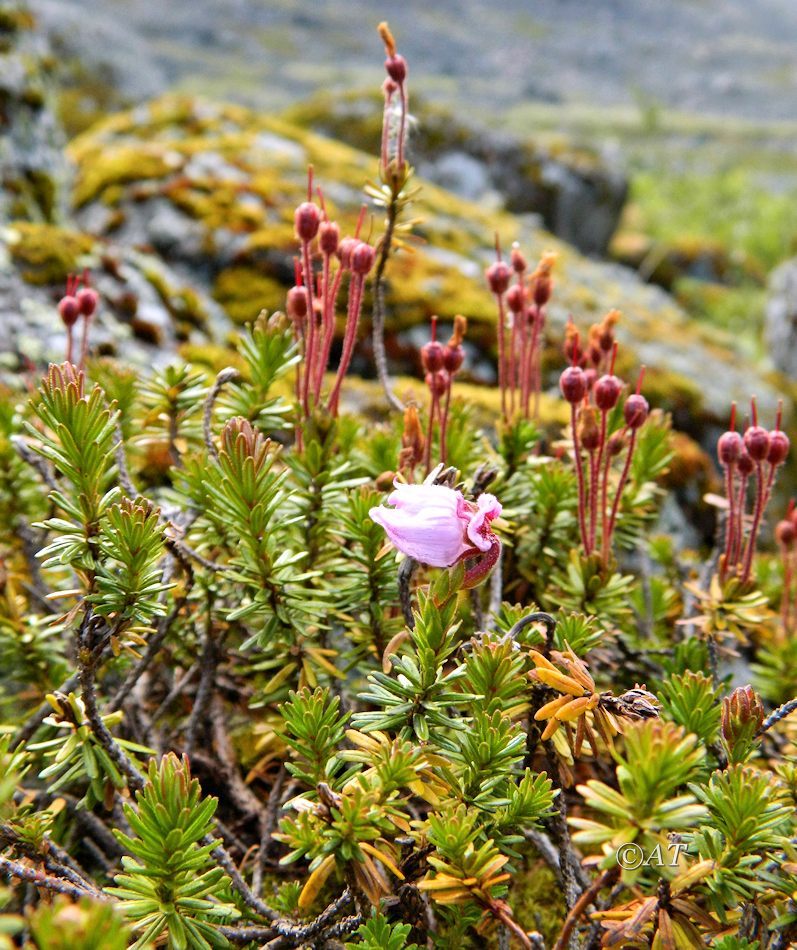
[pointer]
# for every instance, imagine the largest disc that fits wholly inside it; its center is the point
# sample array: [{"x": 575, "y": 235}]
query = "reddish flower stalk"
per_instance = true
[
  {"x": 307, "y": 219},
  {"x": 760, "y": 453},
  {"x": 441, "y": 364},
  {"x": 519, "y": 363},
  {"x": 453, "y": 358},
  {"x": 764, "y": 448},
  {"x": 396, "y": 67},
  {"x": 573, "y": 385},
  {"x": 498, "y": 276},
  {"x": 362, "y": 260},
  {"x": 786, "y": 535},
  {"x": 729, "y": 450},
  {"x": 635, "y": 413}
]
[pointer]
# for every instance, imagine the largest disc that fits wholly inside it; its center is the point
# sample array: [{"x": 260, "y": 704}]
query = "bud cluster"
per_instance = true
[
  {"x": 312, "y": 301},
  {"x": 440, "y": 365},
  {"x": 521, "y": 300},
  {"x": 749, "y": 458},
  {"x": 592, "y": 399},
  {"x": 78, "y": 302}
]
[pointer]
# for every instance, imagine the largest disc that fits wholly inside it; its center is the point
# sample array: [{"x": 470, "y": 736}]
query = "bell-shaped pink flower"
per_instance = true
[{"x": 435, "y": 525}]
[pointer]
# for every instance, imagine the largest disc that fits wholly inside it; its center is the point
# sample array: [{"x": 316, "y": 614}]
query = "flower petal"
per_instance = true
[
  {"x": 430, "y": 536},
  {"x": 479, "y": 525}
]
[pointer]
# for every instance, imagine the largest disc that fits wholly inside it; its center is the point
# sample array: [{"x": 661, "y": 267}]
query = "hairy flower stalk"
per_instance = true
[
  {"x": 591, "y": 401},
  {"x": 441, "y": 364},
  {"x": 394, "y": 194},
  {"x": 759, "y": 453},
  {"x": 313, "y": 311},
  {"x": 523, "y": 301},
  {"x": 786, "y": 535},
  {"x": 77, "y": 302}
]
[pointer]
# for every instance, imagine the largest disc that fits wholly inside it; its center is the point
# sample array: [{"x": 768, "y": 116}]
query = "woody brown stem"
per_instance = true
[{"x": 608, "y": 877}]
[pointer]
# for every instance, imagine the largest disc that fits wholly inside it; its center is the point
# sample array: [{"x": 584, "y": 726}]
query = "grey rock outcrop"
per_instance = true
[
  {"x": 781, "y": 318},
  {"x": 33, "y": 170}
]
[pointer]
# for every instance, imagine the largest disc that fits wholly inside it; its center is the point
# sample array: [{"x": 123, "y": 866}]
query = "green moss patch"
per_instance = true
[{"x": 47, "y": 254}]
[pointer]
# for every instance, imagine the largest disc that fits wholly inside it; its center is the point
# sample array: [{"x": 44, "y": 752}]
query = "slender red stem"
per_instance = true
[
  {"x": 386, "y": 131},
  {"x": 607, "y": 460},
  {"x": 730, "y": 522},
  {"x": 326, "y": 330},
  {"x": 84, "y": 342},
  {"x": 596, "y": 487},
  {"x": 349, "y": 339},
  {"x": 758, "y": 511},
  {"x": 444, "y": 422},
  {"x": 329, "y": 317},
  {"x": 430, "y": 430},
  {"x": 738, "y": 534},
  {"x": 69, "y": 344},
  {"x": 513, "y": 364},
  {"x": 621, "y": 487},
  {"x": 534, "y": 385},
  {"x": 502, "y": 353},
  {"x": 785, "y": 600},
  {"x": 402, "y": 127},
  {"x": 582, "y": 522},
  {"x": 309, "y": 352}
]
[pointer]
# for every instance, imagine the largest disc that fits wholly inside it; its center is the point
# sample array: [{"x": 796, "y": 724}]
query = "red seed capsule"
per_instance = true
[
  {"x": 573, "y": 384},
  {"x": 453, "y": 358},
  {"x": 87, "y": 300},
  {"x": 396, "y": 67},
  {"x": 345, "y": 249},
  {"x": 69, "y": 309},
  {"x": 306, "y": 220},
  {"x": 745, "y": 465},
  {"x": 297, "y": 302},
  {"x": 778, "y": 447},
  {"x": 517, "y": 260},
  {"x": 362, "y": 258},
  {"x": 432, "y": 356},
  {"x": 729, "y": 448},
  {"x": 498, "y": 276},
  {"x": 328, "y": 237},
  {"x": 516, "y": 298},
  {"x": 756, "y": 441},
  {"x": 607, "y": 391},
  {"x": 635, "y": 411},
  {"x": 437, "y": 382},
  {"x": 785, "y": 533},
  {"x": 588, "y": 430},
  {"x": 615, "y": 444}
]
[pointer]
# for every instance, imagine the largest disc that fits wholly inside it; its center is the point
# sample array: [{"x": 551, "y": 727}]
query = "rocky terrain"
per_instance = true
[
  {"x": 182, "y": 210},
  {"x": 724, "y": 57}
]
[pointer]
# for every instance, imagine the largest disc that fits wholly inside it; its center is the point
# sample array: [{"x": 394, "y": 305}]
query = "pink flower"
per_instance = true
[{"x": 436, "y": 525}]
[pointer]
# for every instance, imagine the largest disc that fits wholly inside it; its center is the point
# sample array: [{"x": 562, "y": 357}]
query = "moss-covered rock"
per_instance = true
[
  {"x": 576, "y": 192},
  {"x": 214, "y": 193},
  {"x": 33, "y": 171},
  {"x": 46, "y": 254},
  {"x": 145, "y": 309}
]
